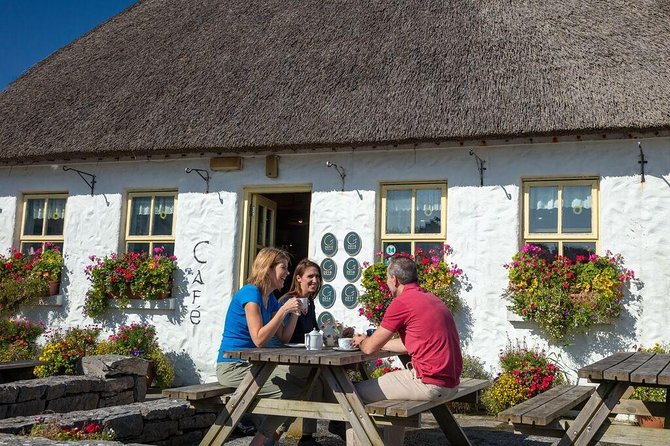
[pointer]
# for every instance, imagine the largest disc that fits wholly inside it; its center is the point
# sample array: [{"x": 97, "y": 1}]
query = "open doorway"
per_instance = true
[{"x": 279, "y": 219}]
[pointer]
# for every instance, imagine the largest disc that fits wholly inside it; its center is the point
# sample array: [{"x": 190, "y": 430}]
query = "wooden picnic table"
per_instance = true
[
  {"x": 349, "y": 407},
  {"x": 615, "y": 375},
  {"x": 18, "y": 370}
]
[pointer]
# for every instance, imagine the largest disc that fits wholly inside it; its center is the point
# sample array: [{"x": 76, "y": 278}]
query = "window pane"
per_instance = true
[
  {"x": 574, "y": 249},
  {"x": 168, "y": 247},
  {"x": 138, "y": 247},
  {"x": 398, "y": 211},
  {"x": 139, "y": 216},
  {"x": 268, "y": 228},
  {"x": 426, "y": 247},
  {"x": 549, "y": 249},
  {"x": 543, "y": 209},
  {"x": 428, "y": 211},
  {"x": 260, "y": 225},
  {"x": 55, "y": 216},
  {"x": 163, "y": 216},
  {"x": 30, "y": 248},
  {"x": 34, "y": 217},
  {"x": 391, "y": 248},
  {"x": 576, "y": 209}
]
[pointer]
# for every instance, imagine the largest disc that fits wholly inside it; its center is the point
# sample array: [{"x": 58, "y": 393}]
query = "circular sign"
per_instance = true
[
  {"x": 390, "y": 249},
  {"x": 352, "y": 243},
  {"x": 329, "y": 244},
  {"x": 328, "y": 269},
  {"x": 324, "y": 318},
  {"x": 350, "y": 296},
  {"x": 327, "y": 296},
  {"x": 351, "y": 269}
]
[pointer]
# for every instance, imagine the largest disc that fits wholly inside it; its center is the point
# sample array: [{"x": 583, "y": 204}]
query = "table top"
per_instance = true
[
  {"x": 299, "y": 355},
  {"x": 632, "y": 367}
]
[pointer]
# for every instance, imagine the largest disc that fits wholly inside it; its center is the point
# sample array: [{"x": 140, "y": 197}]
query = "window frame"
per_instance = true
[
  {"x": 152, "y": 240},
  {"x": 413, "y": 237},
  {"x": 560, "y": 237},
  {"x": 44, "y": 238}
]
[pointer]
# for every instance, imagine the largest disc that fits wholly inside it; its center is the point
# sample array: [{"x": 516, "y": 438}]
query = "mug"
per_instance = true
[
  {"x": 345, "y": 343},
  {"x": 304, "y": 303}
]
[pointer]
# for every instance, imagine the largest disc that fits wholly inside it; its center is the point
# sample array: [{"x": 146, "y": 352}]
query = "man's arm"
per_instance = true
[{"x": 378, "y": 341}]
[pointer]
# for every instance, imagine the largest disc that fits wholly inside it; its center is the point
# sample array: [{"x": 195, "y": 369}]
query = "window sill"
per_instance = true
[
  {"x": 140, "y": 304},
  {"x": 50, "y": 301},
  {"x": 516, "y": 319}
]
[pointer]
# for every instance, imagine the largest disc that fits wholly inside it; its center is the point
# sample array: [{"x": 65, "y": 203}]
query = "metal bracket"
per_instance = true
[
  {"x": 81, "y": 174},
  {"x": 204, "y": 174},
  {"x": 480, "y": 166},
  {"x": 642, "y": 161},
  {"x": 340, "y": 170}
]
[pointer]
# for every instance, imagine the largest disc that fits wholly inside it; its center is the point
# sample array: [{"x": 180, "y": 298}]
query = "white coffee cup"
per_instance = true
[
  {"x": 345, "y": 343},
  {"x": 304, "y": 303}
]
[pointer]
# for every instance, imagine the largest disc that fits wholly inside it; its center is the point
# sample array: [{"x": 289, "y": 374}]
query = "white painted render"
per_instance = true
[{"x": 483, "y": 228}]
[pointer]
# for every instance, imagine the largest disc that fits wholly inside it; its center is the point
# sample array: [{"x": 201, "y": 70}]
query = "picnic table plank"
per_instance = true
[
  {"x": 197, "y": 391},
  {"x": 514, "y": 414},
  {"x": 649, "y": 371},
  {"x": 595, "y": 371},
  {"x": 623, "y": 370},
  {"x": 543, "y": 416},
  {"x": 664, "y": 376}
]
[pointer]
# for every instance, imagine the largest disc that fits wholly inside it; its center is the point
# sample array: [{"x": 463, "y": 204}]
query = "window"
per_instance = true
[
  {"x": 561, "y": 216},
  {"x": 150, "y": 221},
  {"x": 413, "y": 217},
  {"x": 43, "y": 219}
]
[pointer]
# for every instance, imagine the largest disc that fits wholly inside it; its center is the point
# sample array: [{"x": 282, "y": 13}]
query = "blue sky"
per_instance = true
[{"x": 30, "y": 30}]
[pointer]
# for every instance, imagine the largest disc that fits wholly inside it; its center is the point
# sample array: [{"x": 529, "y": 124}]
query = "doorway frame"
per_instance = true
[{"x": 248, "y": 193}]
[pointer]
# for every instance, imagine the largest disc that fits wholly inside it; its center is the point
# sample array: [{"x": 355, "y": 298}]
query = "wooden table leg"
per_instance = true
[
  {"x": 666, "y": 423},
  {"x": 449, "y": 426},
  {"x": 238, "y": 404},
  {"x": 594, "y": 414},
  {"x": 351, "y": 404}
]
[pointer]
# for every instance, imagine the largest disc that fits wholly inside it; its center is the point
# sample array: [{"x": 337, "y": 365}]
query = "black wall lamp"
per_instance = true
[
  {"x": 83, "y": 176},
  {"x": 204, "y": 174},
  {"x": 480, "y": 167},
  {"x": 340, "y": 171},
  {"x": 642, "y": 161}
]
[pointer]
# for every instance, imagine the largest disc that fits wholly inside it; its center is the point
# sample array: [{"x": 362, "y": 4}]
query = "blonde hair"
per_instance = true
[{"x": 266, "y": 259}]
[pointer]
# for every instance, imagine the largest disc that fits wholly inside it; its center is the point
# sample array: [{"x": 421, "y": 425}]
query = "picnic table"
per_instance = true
[
  {"x": 18, "y": 370},
  {"x": 615, "y": 375},
  {"x": 349, "y": 407}
]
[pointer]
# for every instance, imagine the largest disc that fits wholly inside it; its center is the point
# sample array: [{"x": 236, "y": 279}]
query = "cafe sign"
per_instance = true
[
  {"x": 351, "y": 269},
  {"x": 352, "y": 243},
  {"x": 350, "y": 296},
  {"x": 329, "y": 244},
  {"x": 327, "y": 296},
  {"x": 325, "y": 318},
  {"x": 328, "y": 269}
]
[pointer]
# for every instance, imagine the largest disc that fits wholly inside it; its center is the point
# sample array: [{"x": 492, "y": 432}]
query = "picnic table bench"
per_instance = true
[{"x": 18, "y": 370}]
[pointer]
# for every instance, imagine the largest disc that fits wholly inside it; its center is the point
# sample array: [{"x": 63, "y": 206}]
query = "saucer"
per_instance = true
[
  {"x": 353, "y": 349},
  {"x": 294, "y": 345}
]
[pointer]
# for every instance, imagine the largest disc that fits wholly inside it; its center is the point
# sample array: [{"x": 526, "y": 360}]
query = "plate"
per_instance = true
[
  {"x": 345, "y": 349},
  {"x": 295, "y": 345}
]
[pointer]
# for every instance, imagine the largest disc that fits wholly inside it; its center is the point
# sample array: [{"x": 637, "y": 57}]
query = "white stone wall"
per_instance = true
[{"x": 483, "y": 228}]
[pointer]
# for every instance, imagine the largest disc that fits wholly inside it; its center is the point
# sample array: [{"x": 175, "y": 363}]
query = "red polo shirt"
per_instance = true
[{"x": 429, "y": 333}]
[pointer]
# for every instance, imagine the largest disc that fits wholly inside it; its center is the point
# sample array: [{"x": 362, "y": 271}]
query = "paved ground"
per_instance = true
[{"x": 481, "y": 430}]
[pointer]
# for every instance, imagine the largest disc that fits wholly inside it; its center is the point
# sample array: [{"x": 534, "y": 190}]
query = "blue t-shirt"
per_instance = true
[{"x": 236, "y": 334}]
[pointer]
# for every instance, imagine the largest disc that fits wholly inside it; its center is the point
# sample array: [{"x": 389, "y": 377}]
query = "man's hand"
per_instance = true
[{"x": 358, "y": 338}]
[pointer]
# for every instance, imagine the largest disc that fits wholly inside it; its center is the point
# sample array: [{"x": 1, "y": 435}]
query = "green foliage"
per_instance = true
[
  {"x": 435, "y": 275},
  {"x": 503, "y": 394},
  {"x": 54, "y": 431},
  {"x": 564, "y": 296},
  {"x": 64, "y": 349},
  {"x": 128, "y": 276},
  {"x": 20, "y": 292},
  {"x": 139, "y": 340},
  {"x": 18, "y": 339},
  {"x": 651, "y": 393},
  {"x": 473, "y": 367},
  {"x": 48, "y": 263}
]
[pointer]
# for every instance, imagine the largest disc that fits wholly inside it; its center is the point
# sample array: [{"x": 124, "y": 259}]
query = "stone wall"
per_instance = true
[
  {"x": 162, "y": 422},
  {"x": 109, "y": 380}
]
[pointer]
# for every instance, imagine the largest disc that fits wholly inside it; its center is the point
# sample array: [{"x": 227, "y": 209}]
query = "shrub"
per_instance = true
[
  {"x": 504, "y": 393},
  {"x": 435, "y": 275},
  {"x": 64, "y": 349},
  {"x": 139, "y": 340},
  {"x": 18, "y": 339},
  {"x": 473, "y": 367},
  {"x": 126, "y": 276},
  {"x": 562, "y": 295}
]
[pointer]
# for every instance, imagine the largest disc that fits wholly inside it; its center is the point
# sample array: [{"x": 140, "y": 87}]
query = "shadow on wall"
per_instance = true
[
  {"x": 185, "y": 372},
  {"x": 463, "y": 317}
]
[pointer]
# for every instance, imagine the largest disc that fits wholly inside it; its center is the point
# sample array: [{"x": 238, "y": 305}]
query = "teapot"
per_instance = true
[{"x": 314, "y": 340}]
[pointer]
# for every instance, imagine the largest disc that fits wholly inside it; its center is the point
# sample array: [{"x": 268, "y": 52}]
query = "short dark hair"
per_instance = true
[{"x": 403, "y": 269}]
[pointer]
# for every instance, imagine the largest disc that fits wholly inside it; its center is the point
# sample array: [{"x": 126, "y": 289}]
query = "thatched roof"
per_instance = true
[{"x": 186, "y": 76}]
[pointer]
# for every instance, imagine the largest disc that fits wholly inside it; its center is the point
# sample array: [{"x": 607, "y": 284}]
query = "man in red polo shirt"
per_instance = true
[{"x": 427, "y": 333}]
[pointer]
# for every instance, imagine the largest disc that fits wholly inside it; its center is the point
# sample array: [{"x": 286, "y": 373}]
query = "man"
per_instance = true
[{"x": 427, "y": 333}]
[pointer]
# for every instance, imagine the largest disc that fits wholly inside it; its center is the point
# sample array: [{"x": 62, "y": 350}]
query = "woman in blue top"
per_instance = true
[{"x": 253, "y": 318}]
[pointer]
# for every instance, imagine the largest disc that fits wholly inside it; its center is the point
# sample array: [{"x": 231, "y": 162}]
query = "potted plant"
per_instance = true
[
  {"x": 18, "y": 339},
  {"x": 18, "y": 285},
  {"x": 64, "y": 348},
  {"x": 651, "y": 394},
  {"x": 128, "y": 276},
  {"x": 139, "y": 340},
  {"x": 562, "y": 295},
  {"x": 435, "y": 275},
  {"x": 48, "y": 264}
]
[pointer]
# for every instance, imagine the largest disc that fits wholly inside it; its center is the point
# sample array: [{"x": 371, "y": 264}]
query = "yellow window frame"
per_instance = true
[
  {"x": 559, "y": 237},
  {"x": 150, "y": 239},
  {"x": 414, "y": 237},
  {"x": 54, "y": 238}
]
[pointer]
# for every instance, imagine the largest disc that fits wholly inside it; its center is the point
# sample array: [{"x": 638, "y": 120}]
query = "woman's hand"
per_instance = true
[{"x": 293, "y": 306}]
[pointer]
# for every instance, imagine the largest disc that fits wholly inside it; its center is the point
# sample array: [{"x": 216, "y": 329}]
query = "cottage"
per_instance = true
[{"x": 339, "y": 129}]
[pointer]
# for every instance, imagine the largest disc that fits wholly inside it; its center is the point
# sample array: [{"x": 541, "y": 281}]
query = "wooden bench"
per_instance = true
[
  {"x": 208, "y": 396},
  {"x": 18, "y": 370}
]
